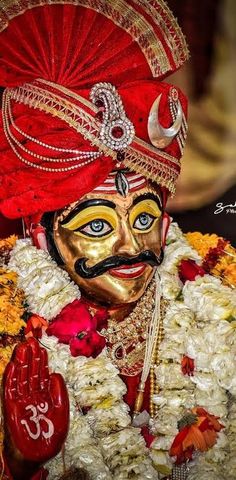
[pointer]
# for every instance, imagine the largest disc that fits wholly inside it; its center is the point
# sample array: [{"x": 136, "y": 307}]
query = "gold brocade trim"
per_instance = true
[
  {"x": 153, "y": 150},
  {"x": 81, "y": 117},
  {"x": 49, "y": 102},
  {"x": 152, "y": 169},
  {"x": 130, "y": 20},
  {"x": 172, "y": 33},
  {"x": 69, "y": 93}
]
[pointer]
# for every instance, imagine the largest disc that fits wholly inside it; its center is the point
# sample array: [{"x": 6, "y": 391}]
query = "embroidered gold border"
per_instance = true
[
  {"x": 173, "y": 35},
  {"x": 48, "y": 102},
  {"x": 126, "y": 17},
  {"x": 152, "y": 169},
  {"x": 137, "y": 157}
]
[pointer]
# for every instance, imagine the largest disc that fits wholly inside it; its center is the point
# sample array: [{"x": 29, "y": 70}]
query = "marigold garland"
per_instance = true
[
  {"x": 202, "y": 242},
  {"x": 9, "y": 242},
  {"x": 11, "y": 304},
  {"x": 11, "y": 310},
  {"x": 6, "y": 245},
  {"x": 219, "y": 257}
]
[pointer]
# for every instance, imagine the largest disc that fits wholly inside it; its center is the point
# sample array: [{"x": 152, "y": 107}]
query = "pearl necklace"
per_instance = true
[{"x": 87, "y": 156}]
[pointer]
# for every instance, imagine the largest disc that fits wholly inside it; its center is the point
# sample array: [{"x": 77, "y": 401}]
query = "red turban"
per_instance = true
[{"x": 71, "y": 47}]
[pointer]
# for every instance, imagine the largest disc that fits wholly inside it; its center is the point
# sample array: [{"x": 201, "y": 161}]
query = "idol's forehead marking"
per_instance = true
[{"x": 113, "y": 201}]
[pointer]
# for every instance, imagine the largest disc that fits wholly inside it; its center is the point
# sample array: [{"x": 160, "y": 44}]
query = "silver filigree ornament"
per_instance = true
[
  {"x": 159, "y": 136},
  {"x": 117, "y": 131},
  {"x": 122, "y": 184}
]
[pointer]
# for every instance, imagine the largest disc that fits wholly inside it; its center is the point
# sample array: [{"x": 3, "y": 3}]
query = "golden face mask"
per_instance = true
[{"x": 110, "y": 244}]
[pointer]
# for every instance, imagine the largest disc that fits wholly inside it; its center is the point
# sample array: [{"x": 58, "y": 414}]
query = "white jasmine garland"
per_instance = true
[
  {"x": 177, "y": 248},
  {"x": 210, "y": 300},
  {"x": 174, "y": 253},
  {"x": 47, "y": 287},
  {"x": 197, "y": 326},
  {"x": 170, "y": 284},
  {"x": 81, "y": 449},
  {"x": 103, "y": 441},
  {"x": 198, "y": 323},
  {"x": 105, "y": 420},
  {"x": 206, "y": 471}
]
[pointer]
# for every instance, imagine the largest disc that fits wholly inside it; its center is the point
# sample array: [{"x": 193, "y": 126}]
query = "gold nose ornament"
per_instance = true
[{"x": 159, "y": 136}]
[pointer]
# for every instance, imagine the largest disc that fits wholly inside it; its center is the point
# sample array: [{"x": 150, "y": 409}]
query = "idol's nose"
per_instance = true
[{"x": 126, "y": 244}]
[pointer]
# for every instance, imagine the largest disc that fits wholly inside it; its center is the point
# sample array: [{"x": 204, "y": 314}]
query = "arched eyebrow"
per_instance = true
[
  {"x": 149, "y": 196},
  {"x": 92, "y": 202}
]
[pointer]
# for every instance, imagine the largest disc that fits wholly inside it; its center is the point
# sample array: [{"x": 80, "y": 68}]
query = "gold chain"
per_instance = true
[{"x": 126, "y": 340}]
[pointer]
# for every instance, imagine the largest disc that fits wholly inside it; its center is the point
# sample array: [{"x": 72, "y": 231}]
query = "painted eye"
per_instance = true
[
  {"x": 96, "y": 228},
  {"x": 143, "y": 221}
]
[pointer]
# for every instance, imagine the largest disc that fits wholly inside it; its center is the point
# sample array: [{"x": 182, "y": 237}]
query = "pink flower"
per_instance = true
[
  {"x": 101, "y": 317},
  {"x": 76, "y": 327},
  {"x": 89, "y": 344}
]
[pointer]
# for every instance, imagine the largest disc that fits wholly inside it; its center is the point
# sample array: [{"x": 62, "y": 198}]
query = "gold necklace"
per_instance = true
[{"x": 126, "y": 340}]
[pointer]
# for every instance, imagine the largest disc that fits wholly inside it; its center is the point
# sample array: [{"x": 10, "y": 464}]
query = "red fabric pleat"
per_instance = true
[
  {"x": 76, "y": 47},
  {"x": 72, "y": 46}
]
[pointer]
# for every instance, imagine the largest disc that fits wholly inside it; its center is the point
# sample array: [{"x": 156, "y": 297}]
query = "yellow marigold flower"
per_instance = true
[
  {"x": 230, "y": 274},
  {"x": 226, "y": 264},
  {"x": 202, "y": 243},
  {"x": 11, "y": 303},
  {"x": 6, "y": 245},
  {"x": 8, "y": 242},
  {"x": 5, "y": 357}
]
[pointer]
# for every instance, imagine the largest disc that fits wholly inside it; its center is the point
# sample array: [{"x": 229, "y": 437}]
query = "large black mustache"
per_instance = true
[{"x": 115, "y": 262}]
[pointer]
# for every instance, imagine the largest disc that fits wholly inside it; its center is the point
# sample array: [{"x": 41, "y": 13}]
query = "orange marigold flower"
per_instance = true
[
  {"x": 11, "y": 304},
  {"x": 8, "y": 242},
  {"x": 198, "y": 430},
  {"x": 202, "y": 243},
  {"x": 6, "y": 245},
  {"x": 35, "y": 327},
  {"x": 230, "y": 274},
  {"x": 219, "y": 257}
]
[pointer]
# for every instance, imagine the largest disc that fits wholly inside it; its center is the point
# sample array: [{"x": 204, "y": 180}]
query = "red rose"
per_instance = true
[
  {"x": 89, "y": 344},
  {"x": 189, "y": 270},
  {"x": 76, "y": 327}
]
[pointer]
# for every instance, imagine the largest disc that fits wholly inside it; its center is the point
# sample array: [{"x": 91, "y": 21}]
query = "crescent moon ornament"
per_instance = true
[{"x": 159, "y": 136}]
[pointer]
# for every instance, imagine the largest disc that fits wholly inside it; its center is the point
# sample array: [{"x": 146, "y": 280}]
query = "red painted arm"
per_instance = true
[{"x": 36, "y": 410}]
